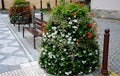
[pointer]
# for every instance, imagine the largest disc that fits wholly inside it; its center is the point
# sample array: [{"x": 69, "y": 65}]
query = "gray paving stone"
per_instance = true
[{"x": 11, "y": 52}]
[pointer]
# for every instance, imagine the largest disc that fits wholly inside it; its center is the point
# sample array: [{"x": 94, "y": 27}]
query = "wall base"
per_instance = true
[{"x": 111, "y": 14}]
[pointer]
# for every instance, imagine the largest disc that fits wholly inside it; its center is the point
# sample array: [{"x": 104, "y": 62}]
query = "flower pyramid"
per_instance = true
[{"x": 70, "y": 46}]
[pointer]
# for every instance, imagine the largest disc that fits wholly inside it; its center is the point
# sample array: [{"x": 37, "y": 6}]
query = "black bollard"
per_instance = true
[
  {"x": 104, "y": 70},
  {"x": 41, "y": 8},
  {"x": 3, "y": 6}
]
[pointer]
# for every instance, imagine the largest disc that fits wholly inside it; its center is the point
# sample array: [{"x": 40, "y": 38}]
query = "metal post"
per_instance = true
[
  {"x": 55, "y": 2},
  {"x": 41, "y": 16},
  {"x": 41, "y": 8},
  {"x": 41, "y": 4},
  {"x": 23, "y": 31},
  {"x": 104, "y": 70},
  {"x": 3, "y": 6}
]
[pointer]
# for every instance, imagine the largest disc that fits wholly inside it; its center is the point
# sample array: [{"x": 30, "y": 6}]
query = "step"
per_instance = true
[{"x": 27, "y": 69}]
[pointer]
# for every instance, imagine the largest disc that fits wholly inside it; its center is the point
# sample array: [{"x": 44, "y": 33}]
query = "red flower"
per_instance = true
[
  {"x": 78, "y": 41},
  {"x": 90, "y": 24},
  {"x": 81, "y": 4},
  {"x": 73, "y": 13},
  {"x": 89, "y": 35},
  {"x": 46, "y": 30}
]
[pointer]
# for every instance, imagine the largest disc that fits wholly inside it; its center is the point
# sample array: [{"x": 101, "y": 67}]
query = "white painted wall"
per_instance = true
[{"x": 105, "y": 4}]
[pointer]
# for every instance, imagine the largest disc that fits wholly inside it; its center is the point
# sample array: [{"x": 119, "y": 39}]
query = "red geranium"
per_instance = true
[
  {"x": 89, "y": 34},
  {"x": 81, "y": 4},
  {"x": 73, "y": 13},
  {"x": 78, "y": 41},
  {"x": 90, "y": 24}
]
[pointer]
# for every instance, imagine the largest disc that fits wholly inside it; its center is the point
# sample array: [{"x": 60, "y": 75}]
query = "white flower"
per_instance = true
[
  {"x": 53, "y": 46},
  {"x": 59, "y": 71},
  {"x": 90, "y": 54},
  {"x": 77, "y": 54},
  {"x": 50, "y": 55},
  {"x": 54, "y": 28},
  {"x": 70, "y": 22},
  {"x": 74, "y": 16},
  {"x": 49, "y": 64},
  {"x": 44, "y": 53},
  {"x": 74, "y": 27},
  {"x": 80, "y": 73},
  {"x": 73, "y": 31},
  {"x": 75, "y": 20},
  {"x": 65, "y": 49},
  {"x": 69, "y": 18},
  {"x": 54, "y": 56},
  {"x": 63, "y": 35},
  {"x": 68, "y": 73},
  {"x": 89, "y": 70},
  {"x": 66, "y": 36},
  {"x": 62, "y": 58},
  {"x": 44, "y": 36},
  {"x": 74, "y": 39},
  {"x": 72, "y": 42},
  {"x": 60, "y": 40},
  {"x": 42, "y": 49},
  {"x": 68, "y": 42},
  {"x": 96, "y": 51},
  {"x": 84, "y": 51},
  {"x": 47, "y": 33},
  {"x": 69, "y": 33},
  {"x": 55, "y": 32},
  {"x": 83, "y": 62},
  {"x": 49, "y": 36},
  {"x": 70, "y": 38}
]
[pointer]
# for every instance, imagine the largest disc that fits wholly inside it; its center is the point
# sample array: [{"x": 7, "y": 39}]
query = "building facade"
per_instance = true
[{"x": 106, "y": 8}]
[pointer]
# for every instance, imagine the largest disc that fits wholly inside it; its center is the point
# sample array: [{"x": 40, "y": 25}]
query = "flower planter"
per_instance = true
[{"x": 19, "y": 11}]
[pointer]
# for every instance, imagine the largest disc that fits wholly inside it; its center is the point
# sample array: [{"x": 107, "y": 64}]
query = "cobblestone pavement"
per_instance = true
[
  {"x": 114, "y": 43},
  {"x": 11, "y": 53}
]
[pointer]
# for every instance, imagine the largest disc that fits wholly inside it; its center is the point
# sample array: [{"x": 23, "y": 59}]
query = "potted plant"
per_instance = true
[
  {"x": 19, "y": 8},
  {"x": 70, "y": 46}
]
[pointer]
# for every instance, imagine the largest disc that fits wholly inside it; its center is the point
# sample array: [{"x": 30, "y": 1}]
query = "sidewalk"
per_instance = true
[
  {"x": 11, "y": 53},
  {"x": 31, "y": 54}
]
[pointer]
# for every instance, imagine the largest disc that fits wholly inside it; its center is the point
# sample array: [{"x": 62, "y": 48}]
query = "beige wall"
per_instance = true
[
  {"x": 105, "y": 4},
  {"x": 8, "y": 3}
]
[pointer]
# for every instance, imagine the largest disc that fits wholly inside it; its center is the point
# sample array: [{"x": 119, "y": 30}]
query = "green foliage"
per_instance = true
[
  {"x": 69, "y": 47},
  {"x": 18, "y": 1},
  {"x": 48, "y": 5}
]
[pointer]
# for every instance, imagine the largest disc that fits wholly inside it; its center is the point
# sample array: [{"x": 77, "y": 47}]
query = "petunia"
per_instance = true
[{"x": 70, "y": 22}]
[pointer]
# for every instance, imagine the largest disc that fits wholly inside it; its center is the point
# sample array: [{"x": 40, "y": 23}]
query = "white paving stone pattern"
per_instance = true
[{"x": 11, "y": 53}]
